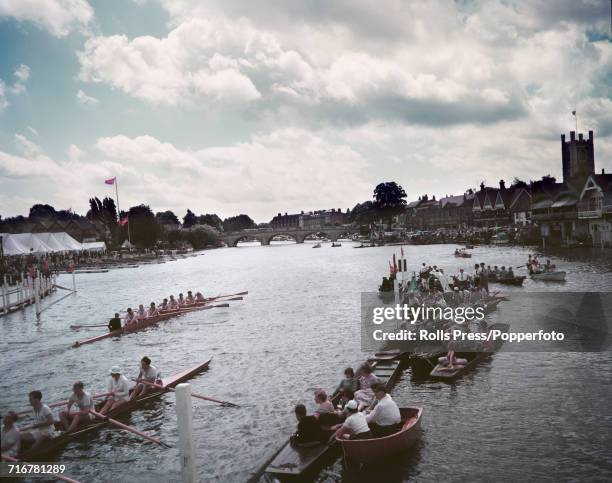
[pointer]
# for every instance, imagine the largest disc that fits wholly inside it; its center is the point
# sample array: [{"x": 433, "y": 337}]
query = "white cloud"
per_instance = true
[
  {"x": 22, "y": 73},
  {"x": 74, "y": 153},
  {"x": 85, "y": 100},
  {"x": 25, "y": 146},
  {"x": 3, "y": 99},
  {"x": 59, "y": 17},
  {"x": 32, "y": 130}
]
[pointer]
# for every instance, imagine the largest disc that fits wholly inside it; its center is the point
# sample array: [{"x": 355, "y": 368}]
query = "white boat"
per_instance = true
[
  {"x": 316, "y": 245},
  {"x": 549, "y": 276}
]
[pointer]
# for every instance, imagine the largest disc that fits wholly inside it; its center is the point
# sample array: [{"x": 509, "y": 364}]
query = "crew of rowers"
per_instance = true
[
  {"x": 364, "y": 410},
  {"x": 77, "y": 408},
  {"x": 168, "y": 305}
]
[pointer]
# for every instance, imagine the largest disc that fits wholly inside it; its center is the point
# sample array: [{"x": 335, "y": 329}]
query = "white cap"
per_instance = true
[
  {"x": 352, "y": 405},
  {"x": 115, "y": 370}
]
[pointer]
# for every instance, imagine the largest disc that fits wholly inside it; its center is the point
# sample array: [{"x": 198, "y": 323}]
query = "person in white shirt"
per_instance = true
[
  {"x": 10, "y": 435},
  {"x": 147, "y": 373},
  {"x": 84, "y": 402},
  {"x": 355, "y": 425},
  {"x": 385, "y": 418},
  {"x": 119, "y": 387},
  {"x": 44, "y": 427}
]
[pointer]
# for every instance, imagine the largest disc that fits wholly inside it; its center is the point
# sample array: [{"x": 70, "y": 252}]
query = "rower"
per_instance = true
[
  {"x": 130, "y": 318},
  {"x": 10, "y": 435},
  {"x": 172, "y": 303},
  {"x": 44, "y": 428},
  {"x": 114, "y": 323},
  {"x": 355, "y": 425},
  {"x": 385, "y": 418},
  {"x": 118, "y": 386},
  {"x": 147, "y": 373},
  {"x": 142, "y": 313},
  {"x": 200, "y": 297},
  {"x": 82, "y": 399},
  {"x": 181, "y": 300},
  {"x": 190, "y": 299},
  {"x": 153, "y": 312},
  {"x": 164, "y": 306}
]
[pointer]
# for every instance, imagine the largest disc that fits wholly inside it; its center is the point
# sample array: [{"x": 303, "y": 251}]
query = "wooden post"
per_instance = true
[
  {"x": 5, "y": 298},
  {"x": 185, "y": 429},
  {"x": 37, "y": 295}
]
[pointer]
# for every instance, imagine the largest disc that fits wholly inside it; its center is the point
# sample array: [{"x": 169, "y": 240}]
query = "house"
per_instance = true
[{"x": 594, "y": 208}]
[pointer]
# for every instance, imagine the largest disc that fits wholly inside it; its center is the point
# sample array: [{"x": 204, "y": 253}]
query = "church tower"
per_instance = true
[{"x": 578, "y": 158}]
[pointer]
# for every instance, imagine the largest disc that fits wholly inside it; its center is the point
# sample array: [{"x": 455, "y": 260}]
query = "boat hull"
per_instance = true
[
  {"x": 59, "y": 441},
  {"x": 549, "y": 276},
  {"x": 368, "y": 450}
]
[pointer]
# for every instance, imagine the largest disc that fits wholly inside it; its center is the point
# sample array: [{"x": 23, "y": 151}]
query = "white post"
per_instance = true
[
  {"x": 37, "y": 295},
  {"x": 185, "y": 428},
  {"x": 73, "y": 281}
]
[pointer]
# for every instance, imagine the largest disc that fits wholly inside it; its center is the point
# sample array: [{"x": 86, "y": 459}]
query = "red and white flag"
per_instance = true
[
  {"x": 110, "y": 180},
  {"x": 124, "y": 221}
]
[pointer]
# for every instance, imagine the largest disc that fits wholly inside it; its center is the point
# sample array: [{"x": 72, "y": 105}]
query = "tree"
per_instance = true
[
  {"x": 167, "y": 217},
  {"x": 202, "y": 236},
  {"x": 518, "y": 183},
  {"x": 42, "y": 211},
  {"x": 237, "y": 223},
  {"x": 189, "y": 219},
  {"x": 210, "y": 219},
  {"x": 144, "y": 230},
  {"x": 389, "y": 199},
  {"x": 363, "y": 213}
]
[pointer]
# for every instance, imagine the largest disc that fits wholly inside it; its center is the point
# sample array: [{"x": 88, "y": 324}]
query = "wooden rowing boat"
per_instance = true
[
  {"x": 549, "y": 276},
  {"x": 443, "y": 373},
  {"x": 143, "y": 324},
  {"x": 295, "y": 461},
  {"x": 368, "y": 450},
  {"x": 54, "y": 444}
]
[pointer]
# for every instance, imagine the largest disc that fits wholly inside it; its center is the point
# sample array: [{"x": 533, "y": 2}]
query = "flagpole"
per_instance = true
[{"x": 117, "y": 197}]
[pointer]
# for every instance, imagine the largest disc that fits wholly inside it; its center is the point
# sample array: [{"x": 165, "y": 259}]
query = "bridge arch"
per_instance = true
[{"x": 295, "y": 236}]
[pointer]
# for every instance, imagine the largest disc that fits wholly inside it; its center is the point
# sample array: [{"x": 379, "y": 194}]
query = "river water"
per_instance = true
[{"x": 526, "y": 416}]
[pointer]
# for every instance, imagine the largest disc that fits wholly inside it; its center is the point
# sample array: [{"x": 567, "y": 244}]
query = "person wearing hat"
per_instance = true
[
  {"x": 355, "y": 425},
  {"x": 118, "y": 386}
]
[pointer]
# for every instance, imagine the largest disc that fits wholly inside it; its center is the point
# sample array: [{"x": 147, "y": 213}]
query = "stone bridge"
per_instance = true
[{"x": 265, "y": 235}]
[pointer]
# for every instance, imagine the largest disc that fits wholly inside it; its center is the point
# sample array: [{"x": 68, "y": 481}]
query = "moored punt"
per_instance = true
[
  {"x": 443, "y": 373},
  {"x": 368, "y": 450},
  {"x": 549, "y": 276},
  {"x": 422, "y": 363},
  {"x": 54, "y": 444},
  {"x": 516, "y": 280}
]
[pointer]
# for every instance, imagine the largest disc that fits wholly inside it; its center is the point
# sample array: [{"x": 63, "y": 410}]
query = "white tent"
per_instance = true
[
  {"x": 97, "y": 246},
  {"x": 24, "y": 243}
]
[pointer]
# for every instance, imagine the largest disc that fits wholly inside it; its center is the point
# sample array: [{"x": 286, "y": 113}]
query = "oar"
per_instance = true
[
  {"x": 55, "y": 475},
  {"x": 205, "y": 398},
  {"x": 63, "y": 403},
  {"x": 74, "y": 327},
  {"x": 114, "y": 422},
  {"x": 229, "y": 295}
]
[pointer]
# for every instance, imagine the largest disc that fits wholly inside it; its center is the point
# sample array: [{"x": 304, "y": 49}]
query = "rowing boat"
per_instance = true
[
  {"x": 143, "y": 324},
  {"x": 368, "y": 450},
  {"x": 549, "y": 276},
  {"x": 516, "y": 280},
  {"x": 443, "y": 373},
  {"x": 295, "y": 461},
  {"x": 54, "y": 444}
]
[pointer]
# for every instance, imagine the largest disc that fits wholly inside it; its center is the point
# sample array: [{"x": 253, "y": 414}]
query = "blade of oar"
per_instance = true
[
  {"x": 75, "y": 327},
  {"x": 119, "y": 424},
  {"x": 54, "y": 475},
  {"x": 63, "y": 403},
  {"x": 199, "y": 396},
  {"x": 229, "y": 295}
]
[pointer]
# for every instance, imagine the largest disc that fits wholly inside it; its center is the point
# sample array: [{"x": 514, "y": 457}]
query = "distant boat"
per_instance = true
[
  {"x": 316, "y": 245},
  {"x": 336, "y": 245}
]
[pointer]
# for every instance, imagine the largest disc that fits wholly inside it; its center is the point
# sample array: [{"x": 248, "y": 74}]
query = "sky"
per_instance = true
[{"x": 235, "y": 106}]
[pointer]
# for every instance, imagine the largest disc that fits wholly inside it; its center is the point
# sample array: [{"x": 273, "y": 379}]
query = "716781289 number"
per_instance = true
[{"x": 34, "y": 469}]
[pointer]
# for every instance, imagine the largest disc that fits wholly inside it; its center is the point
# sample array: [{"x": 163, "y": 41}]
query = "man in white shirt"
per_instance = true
[
  {"x": 355, "y": 425},
  {"x": 44, "y": 427},
  {"x": 385, "y": 418},
  {"x": 10, "y": 435},
  {"x": 119, "y": 387},
  {"x": 84, "y": 402},
  {"x": 147, "y": 373}
]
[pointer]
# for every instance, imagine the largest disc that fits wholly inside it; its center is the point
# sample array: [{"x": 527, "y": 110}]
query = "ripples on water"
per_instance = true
[{"x": 528, "y": 416}]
